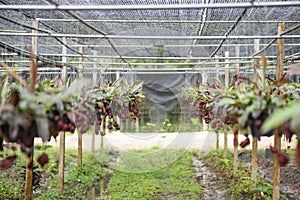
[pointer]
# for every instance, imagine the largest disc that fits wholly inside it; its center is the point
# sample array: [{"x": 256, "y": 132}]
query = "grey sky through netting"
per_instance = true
[{"x": 148, "y": 24}]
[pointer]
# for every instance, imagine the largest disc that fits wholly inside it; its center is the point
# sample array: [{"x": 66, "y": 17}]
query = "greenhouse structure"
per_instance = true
[{"x": 99, "y": 96}]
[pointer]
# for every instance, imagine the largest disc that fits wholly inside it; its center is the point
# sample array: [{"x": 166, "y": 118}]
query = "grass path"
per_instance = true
[{"x": 176, "y": 181}]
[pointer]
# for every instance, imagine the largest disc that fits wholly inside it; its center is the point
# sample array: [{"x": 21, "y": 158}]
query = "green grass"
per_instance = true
[
  {"x": 173, "y": 181},
  {"x": 239, "y": 183},
  {"x": 77, "y": 181}
]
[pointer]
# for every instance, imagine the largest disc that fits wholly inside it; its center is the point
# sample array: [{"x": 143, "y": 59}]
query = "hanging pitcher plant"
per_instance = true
[{"x": 250, "y": 104}]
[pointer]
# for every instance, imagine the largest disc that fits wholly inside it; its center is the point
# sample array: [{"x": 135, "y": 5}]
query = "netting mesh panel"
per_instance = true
[{"x": 148, "y": 22}]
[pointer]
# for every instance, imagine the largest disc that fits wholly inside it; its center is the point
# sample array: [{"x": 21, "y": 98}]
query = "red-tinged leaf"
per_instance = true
[
  {"x": 245, "y": 142},
  {"x": 71, "y": 117},
  {"x": 7, "y": 162},
  {"x": 273, "y": 149},
  {"x": 43, "y": 159},
  {"x": 298, "y": 152},
  {"x": 282, "y": 158}
]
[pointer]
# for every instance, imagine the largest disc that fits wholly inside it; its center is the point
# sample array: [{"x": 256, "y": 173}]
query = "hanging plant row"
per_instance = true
[
  {"x": 247, "y": 105},
  {"x": 53, "y": 108}
]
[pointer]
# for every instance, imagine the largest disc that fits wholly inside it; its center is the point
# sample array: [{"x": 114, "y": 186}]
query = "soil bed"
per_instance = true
[{"x": 289, "y": 175}]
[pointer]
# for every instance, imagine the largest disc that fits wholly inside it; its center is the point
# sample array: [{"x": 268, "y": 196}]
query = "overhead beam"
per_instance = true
[
  {"x": 151, "y": 46},
  {"x": 153, "y": 57},
  {"x": 164, "y": 21},
  {"x": 152, "y": 6},
  {"x": 164, "y": 37}
]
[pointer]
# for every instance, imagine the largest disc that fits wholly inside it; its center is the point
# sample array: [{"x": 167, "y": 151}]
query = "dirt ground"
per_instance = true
[
  {"x": 202, "y": 141},
  {"x": 289, "y": 174}
]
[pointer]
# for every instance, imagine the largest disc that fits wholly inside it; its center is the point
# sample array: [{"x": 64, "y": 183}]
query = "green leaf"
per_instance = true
[
  {"x": 226, "y": 101},
  {"x": 136, "y": 86},
  {"x": 3, "y": 91},
  {"x": 42, "y": 127},
  {"x": 244, "y": 118},
  {"x": 281, "y": 115},
  {"x": 99, "y": 96}
]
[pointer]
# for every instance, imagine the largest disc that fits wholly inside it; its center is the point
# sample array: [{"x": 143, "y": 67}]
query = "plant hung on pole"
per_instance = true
[{"x": 251, "y": 103}]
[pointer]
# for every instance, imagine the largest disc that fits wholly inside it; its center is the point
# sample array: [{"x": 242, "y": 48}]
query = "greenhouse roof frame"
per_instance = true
[{"x": 103, "y": 31}]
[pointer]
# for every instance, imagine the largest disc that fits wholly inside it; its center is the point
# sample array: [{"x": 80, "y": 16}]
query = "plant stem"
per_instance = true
[{"x": 12, "y": 74}]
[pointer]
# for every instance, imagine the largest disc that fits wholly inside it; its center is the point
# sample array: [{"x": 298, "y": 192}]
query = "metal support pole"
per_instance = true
[{"x": 152, "y": 6}]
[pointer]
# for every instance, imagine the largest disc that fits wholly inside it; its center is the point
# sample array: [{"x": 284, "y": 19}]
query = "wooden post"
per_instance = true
[
  {"x": 79, "y": 134},
  {"x": 237, "y": 54},
  {"x": 226, "y": 69},
  {"x": 226, "y": 86},
  {"x": 61, "y": 168},
  {"x": 137, "y": 125},
  {"x": 277, "y": 138},
  {"x": 79, "y": 159},
  {"x": 254, "y": 157},
  {"x": 94, "y": 84},
  {"x": 81, "y": 60},
  {"x": 280, "y": 52},
  {"x": 102, "y": 132},
  {"x": 217, "y": 77},
  {"x": 117, "y": 78},
  {"x": 204, "y": 81},
  {"x": 93, "y": 139},
  {"x": 225, "y": 139},
  {"x": 235, "y": 136},
  {"x": 33, "y": 78},
  {"x": 235, "y": 152}
]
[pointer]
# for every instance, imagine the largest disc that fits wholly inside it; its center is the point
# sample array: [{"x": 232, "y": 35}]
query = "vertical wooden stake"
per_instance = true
[
  {"x": 94, "y": 84},
  {"x": 217, "y": 140},
  {"x": 217, "y": 77},
  {"x": 225, "y": 140},
  {"x": 227, "y": 69},
  {"x": 254, "y": 157},
  {"x": 235, "y": 137},
  {"x": 33, "y": 79},
  {"x": 280, "y": 52},
  {"x": 137, "y": 125},
  {"x": 102, "y": 132},
  {"x": 277, "y": 138},
  {"x": 93, "y": 139},
  {"x": 61, "y": 167},
  {"x": 237, "y": 54},
  {"x": 276, "y": 168},
  {"x": 235, "y": 148},
  {"x": 79, "y": 134},
  {"x": 28, "y": 178},
  {"x": 102, "y": 189},
  {"x": 81, "y": 65},
  {"x": 79, "y": 159},
  {"x": 226, "y": 86},
  {"x": 106, "y": 124}
]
